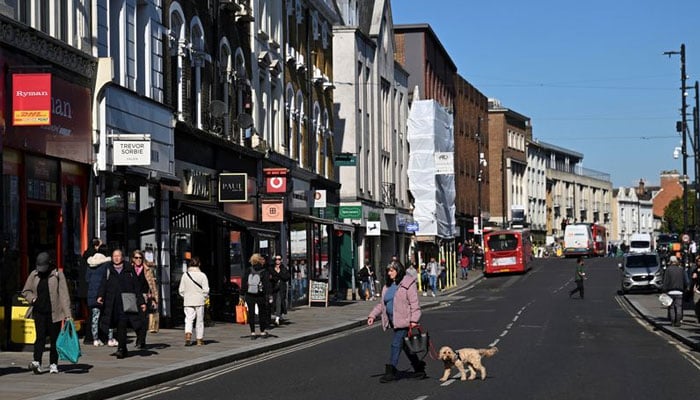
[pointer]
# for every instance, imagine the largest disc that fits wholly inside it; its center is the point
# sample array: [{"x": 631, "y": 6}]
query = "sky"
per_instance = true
[{"x": 591, "y": 75}]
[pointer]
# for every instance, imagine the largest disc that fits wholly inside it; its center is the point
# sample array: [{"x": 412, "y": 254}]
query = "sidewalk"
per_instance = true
[
  {"x": 650, "y": 308},
  {"x": 99, "y": 375}
]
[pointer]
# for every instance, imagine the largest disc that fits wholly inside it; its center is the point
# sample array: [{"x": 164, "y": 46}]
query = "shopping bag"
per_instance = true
[
  {"x": 417, "y": 340},
  {"x": 241, "y": 313},
  {"x": 67, "y": 343}
]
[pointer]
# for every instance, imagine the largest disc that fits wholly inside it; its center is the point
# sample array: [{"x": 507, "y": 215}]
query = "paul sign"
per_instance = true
[{"x": 233, "y": 187}]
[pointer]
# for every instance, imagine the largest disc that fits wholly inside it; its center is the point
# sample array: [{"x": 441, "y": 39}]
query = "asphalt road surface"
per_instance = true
[{"x": 550, "y": 347}]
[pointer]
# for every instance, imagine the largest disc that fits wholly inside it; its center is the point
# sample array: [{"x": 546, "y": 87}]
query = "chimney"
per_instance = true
[{"x": 640, "y": 188}]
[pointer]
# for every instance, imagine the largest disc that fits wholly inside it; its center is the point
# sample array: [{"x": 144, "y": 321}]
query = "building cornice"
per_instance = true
[{"x": 43, "y": 46}]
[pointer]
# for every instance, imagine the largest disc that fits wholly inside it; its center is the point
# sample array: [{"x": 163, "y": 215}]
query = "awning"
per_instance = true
[
  {"x": 253, "y": 227},
  {"x": 340, "y": 226}
]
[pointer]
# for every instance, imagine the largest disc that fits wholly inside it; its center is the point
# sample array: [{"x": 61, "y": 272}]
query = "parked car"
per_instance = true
[{"x": 641, "y": 271}]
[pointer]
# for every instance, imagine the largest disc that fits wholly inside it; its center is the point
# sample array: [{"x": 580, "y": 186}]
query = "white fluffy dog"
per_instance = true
[{"x": 467, "y": 357}]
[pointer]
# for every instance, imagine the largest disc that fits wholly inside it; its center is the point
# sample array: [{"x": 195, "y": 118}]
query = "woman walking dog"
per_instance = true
[{"x": 400, "y": 310}]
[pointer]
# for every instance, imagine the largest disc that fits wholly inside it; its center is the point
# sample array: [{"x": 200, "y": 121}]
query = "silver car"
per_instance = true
[{"x": 641, "y": 271}]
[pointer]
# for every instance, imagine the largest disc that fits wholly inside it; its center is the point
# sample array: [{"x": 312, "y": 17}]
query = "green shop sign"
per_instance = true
[{"x": 352, "y": 212}]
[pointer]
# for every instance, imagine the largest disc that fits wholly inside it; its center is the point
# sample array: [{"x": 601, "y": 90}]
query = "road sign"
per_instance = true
[
  {"x": 686, "y": 238},
  {"x": 412, "y": 227}
]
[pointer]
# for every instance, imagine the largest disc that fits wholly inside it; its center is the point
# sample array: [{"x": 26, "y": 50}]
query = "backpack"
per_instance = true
[{"x": 254, "y": 282}]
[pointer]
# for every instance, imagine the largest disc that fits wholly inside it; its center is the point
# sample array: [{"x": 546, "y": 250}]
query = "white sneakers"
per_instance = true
[
  {"x": 433, "y": 294},
  {"x": 97, "y": 343},
  {"x": 53, "y": 369},
  {"x": 112, "y": 343},
  {"x": 35, "y": 367}
]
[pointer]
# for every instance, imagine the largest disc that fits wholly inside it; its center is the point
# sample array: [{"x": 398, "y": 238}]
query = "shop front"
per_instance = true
[{"x": 45, "y": 179}]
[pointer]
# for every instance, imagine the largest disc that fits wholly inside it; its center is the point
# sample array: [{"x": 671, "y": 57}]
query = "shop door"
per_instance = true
[{"x": 42, "y": 232}]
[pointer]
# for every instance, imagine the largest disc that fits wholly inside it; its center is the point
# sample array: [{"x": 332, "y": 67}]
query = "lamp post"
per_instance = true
[
  {"x": 482, "y": 164},
  {"x": 682, "y": 129}
]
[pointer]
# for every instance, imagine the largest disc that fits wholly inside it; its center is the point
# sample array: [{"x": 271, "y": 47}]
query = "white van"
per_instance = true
[
  {"x": 641, "y": 243},
  {"x": 578, "y": 240}
]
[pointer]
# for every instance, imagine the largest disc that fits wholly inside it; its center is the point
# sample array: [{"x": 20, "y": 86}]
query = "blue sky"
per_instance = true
[{"x": 590, "y": 74}]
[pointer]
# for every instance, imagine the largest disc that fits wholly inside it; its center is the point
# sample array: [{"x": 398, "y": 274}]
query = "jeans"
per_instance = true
[
  {"x": 192, "y": 312},
  {"x": 397, "y": 346},
  {"x": 433, "y": 282}
]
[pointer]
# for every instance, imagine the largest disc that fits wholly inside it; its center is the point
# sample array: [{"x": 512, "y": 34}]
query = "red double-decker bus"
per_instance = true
[
  {"x": 507, "y": 251},
  {"x": 600, "y": 240}
]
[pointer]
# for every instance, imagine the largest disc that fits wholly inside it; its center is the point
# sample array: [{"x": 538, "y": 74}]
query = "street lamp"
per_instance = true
[
  {"x": 681, "y": 128},
  {"x": 482, "y": 164}
]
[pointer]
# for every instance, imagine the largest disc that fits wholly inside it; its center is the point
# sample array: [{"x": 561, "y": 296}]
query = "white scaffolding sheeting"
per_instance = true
[{"x": 430, "y": 130}]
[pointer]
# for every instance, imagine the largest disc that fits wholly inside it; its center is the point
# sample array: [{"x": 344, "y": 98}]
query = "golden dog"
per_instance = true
[{"x": 469, "y": 357}]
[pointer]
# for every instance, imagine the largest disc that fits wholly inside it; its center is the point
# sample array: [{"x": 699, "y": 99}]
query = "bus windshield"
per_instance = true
[{"x": 503, "y": 242}]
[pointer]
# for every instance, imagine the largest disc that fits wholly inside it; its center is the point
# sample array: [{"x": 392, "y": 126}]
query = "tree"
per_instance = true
[{"x": 673, "y": 214}]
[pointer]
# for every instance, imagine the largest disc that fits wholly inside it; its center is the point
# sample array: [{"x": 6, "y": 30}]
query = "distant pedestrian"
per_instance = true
[
  {"x": 365, "y": 276},
  {"x": 675, "y": 283},
  {"x": 280, "y": 285},
  {"x": 433, "y": 271},
  {"x": 399, "y": 309},
  {"x": 695, "y": 286},
  {"x": 47, "y": 293},
  {"x": 256, "y": 286},
  {"x": 96, "y": 272},
  {"x": 579, "y": 277},
  {"x": 119, "y": 290},
  {"x": 194, "y": 288},
  {"x": 93, "y": 249},
  {"x": 137, "y": 263},
  {"x": 464, "y": 267}
]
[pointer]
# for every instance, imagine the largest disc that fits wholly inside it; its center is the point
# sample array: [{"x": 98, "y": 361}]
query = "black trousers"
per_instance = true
[
  {"x": 263, "y": 311},
  {"x": 45, "y": 327},
  {"x": 579, "y": 288}
]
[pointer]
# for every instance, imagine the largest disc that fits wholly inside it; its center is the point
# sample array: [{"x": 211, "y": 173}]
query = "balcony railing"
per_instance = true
[{"x": 389, "y": 194}]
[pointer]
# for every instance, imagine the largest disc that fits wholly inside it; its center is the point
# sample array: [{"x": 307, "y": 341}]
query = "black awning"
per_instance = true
[{"x": 253, "y": 227}]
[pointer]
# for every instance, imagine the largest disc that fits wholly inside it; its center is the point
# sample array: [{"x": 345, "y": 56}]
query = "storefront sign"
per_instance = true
[
  {"x": 351, "y": 212},
  {"x": 275, "y": 180},
  {"x": 444, "y": 163},
  {"x": 319, "y": 199},
  {"x": 345, "y": 160},
  {"x": 318, "y": 292},
  {"x": 31, "y": 99},
  {"x": 233, "y": 187},
  {"x": 373, "y": 228},
  {"x": 272, "y": 212},
  {"x": 131, "y": 152}
]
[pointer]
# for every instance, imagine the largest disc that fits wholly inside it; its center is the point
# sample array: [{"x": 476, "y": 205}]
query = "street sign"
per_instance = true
[
  {"x": 686, "y": 238},
  {"x": 345, "y": 160},
  {"x": 352, "y": 212},
  {"x": 412, "y": 227}
]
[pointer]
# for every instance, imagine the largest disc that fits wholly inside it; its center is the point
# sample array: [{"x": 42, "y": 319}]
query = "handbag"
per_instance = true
[
  {"x": 67, "y": 343},
  {"x": 129, "y": 303},
  {"x": 416, "y": 340},
  {"x": 665, "y": 300},
  {"x": 241, "y": 313}
]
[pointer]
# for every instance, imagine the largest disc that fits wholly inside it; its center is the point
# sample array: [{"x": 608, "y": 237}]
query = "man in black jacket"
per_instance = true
[{"x": 675, "y": 283}]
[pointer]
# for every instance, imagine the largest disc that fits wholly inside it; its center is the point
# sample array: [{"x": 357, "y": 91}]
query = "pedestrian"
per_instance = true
[
  {"x": 93, "y": 249},
  {"x": 433, "y": 271},
  {"x": 675, "y": 283},
  {"x": 399, "y": 309},
  {"x": 257, "y": 289},
  {"x": 153, "y": 294},
  {"x": 464, "y": 266},
  {"x": 579, "y": 277},
  {"x": 194, "y": 288},
  {"x": 138, "y": 264},
  {"x": 119, "y": 292},
  {"x": 97, "y": 268},
  {"x": 364, "y": 276},
  {"x": 47, "y": 293},
  {"x": 695, "y": 286},
  {"x": 280, "y": 278}
]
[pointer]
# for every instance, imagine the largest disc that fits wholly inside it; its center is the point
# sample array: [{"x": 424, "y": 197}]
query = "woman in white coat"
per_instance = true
[{"x": 194, "y": 288}]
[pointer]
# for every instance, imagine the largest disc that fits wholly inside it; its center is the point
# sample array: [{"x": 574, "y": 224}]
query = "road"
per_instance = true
[{"x": 550, "y": 347}]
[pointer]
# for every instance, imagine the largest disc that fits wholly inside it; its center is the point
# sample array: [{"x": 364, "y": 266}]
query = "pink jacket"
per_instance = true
[{"x": 406, "y": 305}]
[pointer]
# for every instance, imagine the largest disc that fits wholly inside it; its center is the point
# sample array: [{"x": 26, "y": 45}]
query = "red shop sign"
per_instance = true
[{"x": 31, "y": 99}]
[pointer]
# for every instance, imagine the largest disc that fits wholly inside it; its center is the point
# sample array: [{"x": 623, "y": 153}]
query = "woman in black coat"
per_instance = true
[{"x": 119, "y": 279}]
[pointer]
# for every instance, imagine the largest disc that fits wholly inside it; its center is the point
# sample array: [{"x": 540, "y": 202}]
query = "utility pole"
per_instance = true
[
  {"x": 482, "y": 164},
  {"x": 682, "y": 129},
  {"x": 696, "y": 147}
]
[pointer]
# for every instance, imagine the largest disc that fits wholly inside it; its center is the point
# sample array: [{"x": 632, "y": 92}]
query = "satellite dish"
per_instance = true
[
  {"x": 217, "y": 108},
  {"x": 244, "y": 121}
]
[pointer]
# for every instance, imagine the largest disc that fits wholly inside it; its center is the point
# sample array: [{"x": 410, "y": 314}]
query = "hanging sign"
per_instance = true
[
  {"x": 233, "y": 187},
  {"x": 272, "y": 212}
]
